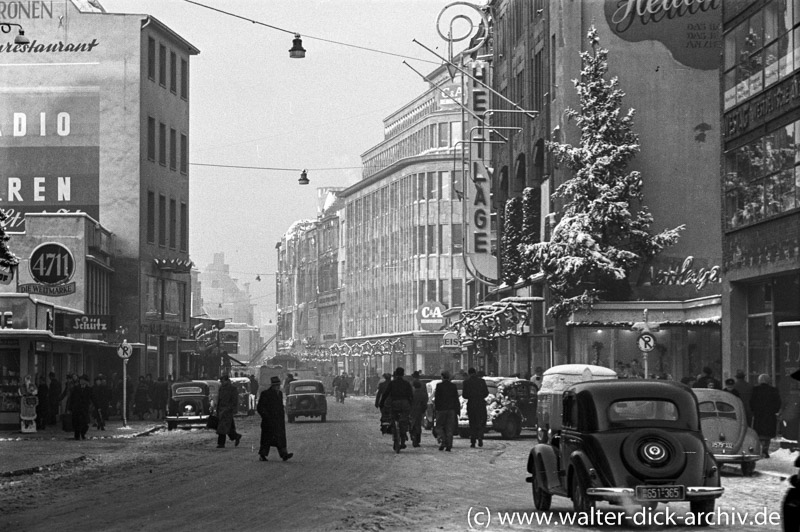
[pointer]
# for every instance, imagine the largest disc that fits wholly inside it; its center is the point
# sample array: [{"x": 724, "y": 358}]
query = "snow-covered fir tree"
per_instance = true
[
  {"x": 511, "y": 240},
  {"x": 7, "y": 258},
  {"x": 603, "y": 231}
]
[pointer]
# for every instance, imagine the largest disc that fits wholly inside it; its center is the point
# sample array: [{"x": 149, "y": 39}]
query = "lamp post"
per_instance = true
[{"x": 20, "y": 38}]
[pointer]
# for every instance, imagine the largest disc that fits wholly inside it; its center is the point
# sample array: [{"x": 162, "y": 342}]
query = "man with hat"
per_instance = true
[
  {"x": 399, "y": 395},
  {"x": 273, "y": 427},
  {"x": 447, "y": 406},
  {"x": 227, "y": 404},
  {"x": 745, "y": 390}
]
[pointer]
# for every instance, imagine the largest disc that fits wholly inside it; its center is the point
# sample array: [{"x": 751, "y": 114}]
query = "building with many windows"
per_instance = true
[
  {"x": 94, "y": 115},
  {"x": 761, "y": 190}
]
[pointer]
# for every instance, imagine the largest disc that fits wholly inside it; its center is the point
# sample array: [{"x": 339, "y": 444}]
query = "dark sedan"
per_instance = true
[{"x": 306, "y": 398}]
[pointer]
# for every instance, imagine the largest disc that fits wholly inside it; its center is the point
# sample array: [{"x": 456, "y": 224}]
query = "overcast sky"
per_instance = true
[{"x": 251, "y": 105}]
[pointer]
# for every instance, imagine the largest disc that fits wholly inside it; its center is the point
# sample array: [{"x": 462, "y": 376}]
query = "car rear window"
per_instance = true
[
  {"x": 717, "y": 408},
  {"x": 641, "y": 410},
  {"x": 306, "y": 388},
  {"x": 188, "y": 390}
]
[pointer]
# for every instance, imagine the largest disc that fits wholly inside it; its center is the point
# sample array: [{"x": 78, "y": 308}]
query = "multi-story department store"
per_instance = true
[{"x": 761, "y": 189}]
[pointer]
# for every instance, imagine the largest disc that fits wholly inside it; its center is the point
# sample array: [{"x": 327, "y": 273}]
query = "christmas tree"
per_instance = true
[
  {"x": 7, "y": 259},
  {"x": 603, "y": 231}
]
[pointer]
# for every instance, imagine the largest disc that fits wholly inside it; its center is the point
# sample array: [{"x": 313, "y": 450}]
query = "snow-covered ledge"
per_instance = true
[{"x": 700, "y": 311}]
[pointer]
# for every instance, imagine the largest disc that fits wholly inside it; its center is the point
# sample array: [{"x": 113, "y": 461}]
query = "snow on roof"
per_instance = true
[{"x": 89, "y": 6}]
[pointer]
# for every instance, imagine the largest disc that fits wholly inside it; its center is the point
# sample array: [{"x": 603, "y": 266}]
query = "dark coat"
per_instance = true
[
  {"x": 475, "y": 392},
  {"x": 160, "y": 394},
  {"x": 446, "y": 397},
  {"x": 79, "y": 402},
  {"x": 141, "y": 399},
  {"x": 765, "y": 403},
  {"x": 398, "y": 389},
  {"x": 273, "y": 425},
  {"x": 381, "y": 389},
  {"x": 227, "y": 405}
]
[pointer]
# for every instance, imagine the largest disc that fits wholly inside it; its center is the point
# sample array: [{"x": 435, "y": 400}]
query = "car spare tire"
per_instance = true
[{"x": 653, "y": 453}]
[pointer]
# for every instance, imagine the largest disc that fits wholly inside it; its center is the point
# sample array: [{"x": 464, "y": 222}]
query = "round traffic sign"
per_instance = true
[
  {"x": 125, "y": 350},
  {"x": 646, "y": 342}
]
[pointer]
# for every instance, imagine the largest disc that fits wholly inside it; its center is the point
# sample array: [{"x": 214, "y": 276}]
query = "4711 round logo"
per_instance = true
[{"x": 52, "y": 264}]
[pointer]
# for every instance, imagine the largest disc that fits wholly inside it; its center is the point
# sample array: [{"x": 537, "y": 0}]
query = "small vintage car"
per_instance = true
[
  {"x": 306, "y": 398},
  {"x": 631, "y": 442},
  {"x": 510, "y": 407},
  {"x": 726, "y": 432},
  {"x": 190, "y": 404}
]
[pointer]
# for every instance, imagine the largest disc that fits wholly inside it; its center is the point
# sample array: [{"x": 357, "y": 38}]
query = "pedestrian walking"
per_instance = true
[
  {"x": 386, "y": 414},
  {"x": 273, "y": 425},
  {"x": 79, "y": 403},
  {"x": 102, "y": 399},
  {"x": 399, "y": 395},
  {"x": 160, "y": 397},
  {"x": 251, "y": 404},
  {"x": 419, "y": 405},
  {"x": 745, "y": 390},
  {"x": 53, "y": 399},
  {"x": 227, "y": 405},
  {"x": 475, "y": 392},
  {"x": 43, "y": 405},
  {"x": 141, "y": 401},
  {"x": 447, "y": 406},
  {"x": 765, "y": 403},
  {"x": 730, "y": 386}
]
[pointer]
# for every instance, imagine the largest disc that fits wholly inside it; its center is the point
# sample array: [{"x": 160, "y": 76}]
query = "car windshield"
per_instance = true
[{"x": 650, "y": 409}]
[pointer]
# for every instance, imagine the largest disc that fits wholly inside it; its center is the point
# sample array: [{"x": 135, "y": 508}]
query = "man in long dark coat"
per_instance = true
[
  {"x": 447, "y": 406},
  {"x": 227, "y": 405},
  {"x": 475, "y": 392},
  {"x": 765, "y": 404},
  {"x": 79, "y": 402},
  {"x": 419, "y": 406},
  {"x": 273, "y": 426},
  {"x": 53, "y": 398}
]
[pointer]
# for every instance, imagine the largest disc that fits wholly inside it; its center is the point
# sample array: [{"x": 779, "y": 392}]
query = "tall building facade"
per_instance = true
[
  {"x": 666, "y": 61},
  {"x": 94, "y": 115},
  {"x": 761, "y": 190}
]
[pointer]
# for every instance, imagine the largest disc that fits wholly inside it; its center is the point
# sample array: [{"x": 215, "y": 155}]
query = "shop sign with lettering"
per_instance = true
[
  {"x": 431, "y": 315},
  {"x": 90, "y": 323}
]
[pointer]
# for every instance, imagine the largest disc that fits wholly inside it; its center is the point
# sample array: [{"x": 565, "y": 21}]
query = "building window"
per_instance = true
[
  {"x": 162, "y": 144},
  {"x": 162, "y": 65},
  {"x": 151, "y": 58},
  {"x": 444, "y": 135},
  {"x": 431, "y": 248},
  {"x": 184, "y": 153},
  {"x": 457, "y": 247},
  {"x": 184, "y": 227},
  {"x": 184, "y": 79},
  {"x": 173, "y": 73},
  {"x": 431, "y": 296},
  {"x": 151, "y": 217},
  {"x": 173, "y": 223},
  {"x": 433, "y": 186},
  {"x": 457, "y": 295},
  {"x": 761, "y": 179},
  {"x": 173, "y": 149},
  {"x": 421, "y": 186},
  {"x": 151, "y": 138},
  {"x": 162, "y": 220}
]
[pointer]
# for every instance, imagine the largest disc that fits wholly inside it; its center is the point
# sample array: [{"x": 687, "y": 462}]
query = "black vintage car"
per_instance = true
[
  {"x": 626, "y": 442},
  {"x": 306, "y": 398},
  {"x": 190, "y": 404}
]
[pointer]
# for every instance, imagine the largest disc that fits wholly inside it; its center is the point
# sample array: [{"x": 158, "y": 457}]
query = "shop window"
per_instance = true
[{"x": 10, "y": 380}]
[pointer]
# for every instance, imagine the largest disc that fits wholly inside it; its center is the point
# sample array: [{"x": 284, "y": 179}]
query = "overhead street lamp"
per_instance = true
[{"x": 5, "y": 27}]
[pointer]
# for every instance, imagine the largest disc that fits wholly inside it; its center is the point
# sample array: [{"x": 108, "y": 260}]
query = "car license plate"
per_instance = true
[
  {"x": 722, "y": 445},
  {"x": 660, "y": 493}
]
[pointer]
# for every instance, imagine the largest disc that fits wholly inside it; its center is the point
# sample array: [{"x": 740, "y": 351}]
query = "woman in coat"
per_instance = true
[
  {"x": 79, "y": 402},
  {"x": 765, "y": 402},
  {"x": 141, "y": 401},
  {"x": 227, "y": 405},
  {"x": 273, "y": 427}
]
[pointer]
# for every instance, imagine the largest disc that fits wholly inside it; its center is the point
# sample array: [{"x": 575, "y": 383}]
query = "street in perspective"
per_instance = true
[{"x": 399, "y": 265}]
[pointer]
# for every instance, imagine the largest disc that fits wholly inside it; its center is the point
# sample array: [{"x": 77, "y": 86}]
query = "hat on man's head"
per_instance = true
[
  {"x": 740, "y": 374},
  {"x": 446, "y": 375},
  {"x": 399, "y": 372},
  {"x": 387, "y": 376},
  {"x": 729, "y": 382},
  {"x": 416, "y": 374},
  {"x": 274, "y": 380},
  {"x": 224, "y": 378}
]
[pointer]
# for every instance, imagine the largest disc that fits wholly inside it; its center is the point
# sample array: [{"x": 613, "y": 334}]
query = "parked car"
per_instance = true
[
  {"x": 626, "y": 442},
  {"x": 510, "y": 407},
  {"x": 190, "y": 404},
  {"x": 554, "y": 381},
  {"x": 306, "y": 398},
  {"x": 726, "y": 432}
]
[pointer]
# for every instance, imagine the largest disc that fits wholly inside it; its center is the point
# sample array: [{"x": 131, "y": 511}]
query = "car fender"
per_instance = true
[
  {"x": 579, "y": 464},
  {"x": 548, "y": 476}
]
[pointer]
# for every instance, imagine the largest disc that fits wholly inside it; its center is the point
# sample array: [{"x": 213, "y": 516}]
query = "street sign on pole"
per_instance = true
[
  {"x": 124, "y": 351},
  {"x": 646, "y": 342}
]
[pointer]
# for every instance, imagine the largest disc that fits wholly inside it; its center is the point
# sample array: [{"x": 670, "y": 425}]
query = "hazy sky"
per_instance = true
[{"x": 251, "y": 105}]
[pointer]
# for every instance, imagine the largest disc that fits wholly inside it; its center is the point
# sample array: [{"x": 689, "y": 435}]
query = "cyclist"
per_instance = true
[{"x": 400, "y": 395}]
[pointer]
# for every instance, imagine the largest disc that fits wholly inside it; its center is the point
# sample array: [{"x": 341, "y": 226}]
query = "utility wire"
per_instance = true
[
  {"x": 306, "y": 36},
  {"x": 272, "y": 168}
]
